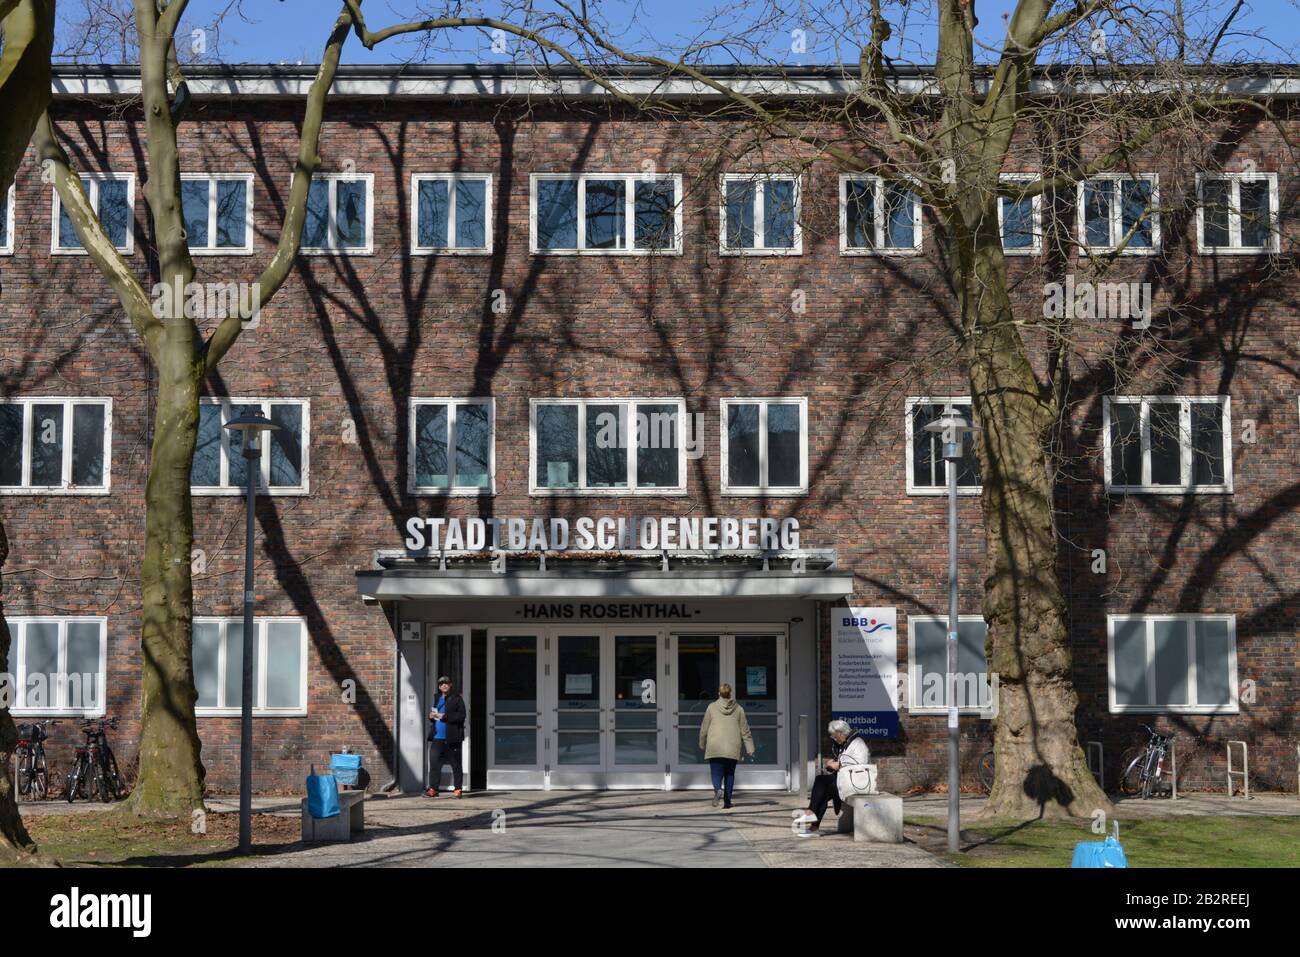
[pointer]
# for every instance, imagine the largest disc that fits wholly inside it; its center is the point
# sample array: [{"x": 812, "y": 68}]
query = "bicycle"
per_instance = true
[
  {"x": 94, "y": 774},
  {"x": 986, "y": 770},
  {"x": 1144, "y": 767},
  {"x": 33, "y": 768}
]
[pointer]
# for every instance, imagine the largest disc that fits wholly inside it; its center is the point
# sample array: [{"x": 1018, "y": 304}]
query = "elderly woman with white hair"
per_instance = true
[{"x": 850, "y": 750}]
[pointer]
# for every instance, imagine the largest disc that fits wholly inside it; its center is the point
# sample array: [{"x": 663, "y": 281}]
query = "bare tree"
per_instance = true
[{"x": 24, "y": 92}]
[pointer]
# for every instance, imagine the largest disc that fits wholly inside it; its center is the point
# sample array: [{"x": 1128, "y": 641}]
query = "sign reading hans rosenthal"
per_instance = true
[
  {"x": 864, "y": 669},
  {"x": 606, "y": 534}
]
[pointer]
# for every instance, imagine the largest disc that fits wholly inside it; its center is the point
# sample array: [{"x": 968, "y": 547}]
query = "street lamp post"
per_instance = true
[
  {"x": 952, "y": 427},
  {"x": 250, "y": 427}
]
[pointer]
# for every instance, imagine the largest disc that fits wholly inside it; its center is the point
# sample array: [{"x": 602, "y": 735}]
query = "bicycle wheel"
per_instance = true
[
  {"x": 107, "y": 792},
  {"x": 40, "y": 776},
  {"x": 24, "y": 772},
  {"x": 112, "y": 775},
  {"x": 987, "y": 770},
  {"x": 73, "y": 782},
  {"x": 1133, "y": 763}
]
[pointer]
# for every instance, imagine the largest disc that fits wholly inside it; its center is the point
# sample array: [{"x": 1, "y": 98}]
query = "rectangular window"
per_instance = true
[
  {"x": 760, "y": 215},
  {"x": 451, "y": 213},
  {"x": 927, "y": 471},
  {"x": 1167, "y": 443},
  {"x": 340, "y": 214},
  {"x": 1118, "y": 210},
  {"x": 218, "y": 212},
  {"x": 606, "y": 213},
  {"x": 878, "y": 217},
  {"x": 765, "y": 446},
  {"x": 607, "y": 447},
  {"x": 453, "y": 447},
  {"x": 219, "y": 463},
  {"x": 1020, "y": 220},
  {"x": 58, "y": 666},
  {"x": 55, "y": 446},
  {"x": 279, "y": 666},
  {"x": 1172, "y": 663},
  {"x": 927, "y": 656},
  {"x": 1237, "y": 213},
  {"x": 7, "y": 222},
  {"x": 112, "y": 196}
]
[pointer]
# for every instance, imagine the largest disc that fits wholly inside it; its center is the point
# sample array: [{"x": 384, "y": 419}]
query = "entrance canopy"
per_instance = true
[{"x": 401, "y": 575}]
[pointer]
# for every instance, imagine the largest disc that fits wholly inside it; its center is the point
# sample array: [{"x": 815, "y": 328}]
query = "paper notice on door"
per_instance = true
[
  {"x": 755, "y": 681},
  {"x": 577, "y": 684}
]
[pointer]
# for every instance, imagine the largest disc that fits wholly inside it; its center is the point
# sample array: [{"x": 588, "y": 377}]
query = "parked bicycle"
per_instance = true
[
  {"x": 987, "y": 769},
  {"x": 33, "y": 768},
  {"x": 1145, "y": 767},
  {"x": 94, "y": 773}
]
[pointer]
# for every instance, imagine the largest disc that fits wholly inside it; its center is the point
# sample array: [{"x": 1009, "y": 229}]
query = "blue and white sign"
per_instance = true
[{"x": 864, "y": 669}]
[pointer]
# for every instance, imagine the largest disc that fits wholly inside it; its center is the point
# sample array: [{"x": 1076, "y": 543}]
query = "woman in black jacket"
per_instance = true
[{"x": 446, "y": 734}]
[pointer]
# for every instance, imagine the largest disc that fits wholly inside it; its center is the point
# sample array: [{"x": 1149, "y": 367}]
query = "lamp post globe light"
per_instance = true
[
  {"x": 250, "y": 429},
  {"x": 952, "y": 427}
]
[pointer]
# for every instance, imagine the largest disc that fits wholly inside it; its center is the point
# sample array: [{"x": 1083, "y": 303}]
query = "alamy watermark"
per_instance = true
[
  {"x": 1098, "y": 300},
  {"x": 208, "y": 300},
  {"x": 653, "y": 430}
]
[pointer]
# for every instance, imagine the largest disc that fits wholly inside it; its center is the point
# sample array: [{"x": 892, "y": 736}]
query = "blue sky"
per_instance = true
[{"x": 274, "y": 31}]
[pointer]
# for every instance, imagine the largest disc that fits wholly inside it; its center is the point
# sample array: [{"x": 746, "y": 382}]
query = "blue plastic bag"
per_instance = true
[
  {"x": 345, "y": 768},
  {"x": 1107, "y": 853},
  {"x": 322, "y": 795}
]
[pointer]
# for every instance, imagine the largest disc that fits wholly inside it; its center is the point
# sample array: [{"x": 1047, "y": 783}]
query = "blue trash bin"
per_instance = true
[{"x": 1107, "y": 853}]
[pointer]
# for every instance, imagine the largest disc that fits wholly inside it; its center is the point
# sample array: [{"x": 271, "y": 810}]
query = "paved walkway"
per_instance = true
[{"x": 584, "y": 829}]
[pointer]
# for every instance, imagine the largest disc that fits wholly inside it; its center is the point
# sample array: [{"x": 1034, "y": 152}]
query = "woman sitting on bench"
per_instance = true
[{"x": 849, "y": 750}]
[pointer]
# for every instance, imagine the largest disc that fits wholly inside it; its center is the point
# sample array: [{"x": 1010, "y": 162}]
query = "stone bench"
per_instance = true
[
  {"x": 877, "y": 818},
  {"x": 350, "y": 820}
]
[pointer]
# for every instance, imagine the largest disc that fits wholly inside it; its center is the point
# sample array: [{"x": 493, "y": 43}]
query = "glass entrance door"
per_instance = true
[
  {"x": 754, "y": 664},
  {"x": 515, "y": 745}
]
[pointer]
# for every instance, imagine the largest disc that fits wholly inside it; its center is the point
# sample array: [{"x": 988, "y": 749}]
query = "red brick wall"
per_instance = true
[{"x": 360, "y": 335}]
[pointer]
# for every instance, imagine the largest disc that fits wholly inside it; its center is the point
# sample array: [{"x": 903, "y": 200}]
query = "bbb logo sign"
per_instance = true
[{"x": 870, "y": 624}]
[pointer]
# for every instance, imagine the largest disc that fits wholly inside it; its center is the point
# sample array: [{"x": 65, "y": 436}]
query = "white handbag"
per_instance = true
[{"x": 860, "y": 778}]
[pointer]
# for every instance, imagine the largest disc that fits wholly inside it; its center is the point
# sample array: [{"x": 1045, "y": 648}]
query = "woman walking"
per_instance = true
[{"x": 724, "y": 729}]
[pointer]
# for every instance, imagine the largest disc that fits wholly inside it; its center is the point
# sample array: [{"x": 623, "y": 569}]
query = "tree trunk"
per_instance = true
[
  {"x": 1041, "y": 770},
  {"x": 14, "y": 839},
  {"x": 171, "y": 771}
]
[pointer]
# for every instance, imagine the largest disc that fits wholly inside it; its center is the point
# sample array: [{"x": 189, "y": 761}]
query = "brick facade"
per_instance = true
[{"x": 360, "y": 335}]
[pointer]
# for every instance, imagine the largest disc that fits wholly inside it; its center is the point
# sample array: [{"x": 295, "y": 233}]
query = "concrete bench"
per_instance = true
[
  {"x": 350, "y": 820},
  {"x": 877, "y": 818}
]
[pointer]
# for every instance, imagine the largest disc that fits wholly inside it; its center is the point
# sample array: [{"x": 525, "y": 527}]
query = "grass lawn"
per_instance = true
[
  {"x": 1201, "y": 841},
  {"x": 91, "y": 838}
]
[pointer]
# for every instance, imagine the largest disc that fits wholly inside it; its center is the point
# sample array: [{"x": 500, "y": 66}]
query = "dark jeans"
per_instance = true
[
  {"x": 724, "y": 773},
  {"x": 445, "y": 752},
  {"x": 824, "y": 791}
]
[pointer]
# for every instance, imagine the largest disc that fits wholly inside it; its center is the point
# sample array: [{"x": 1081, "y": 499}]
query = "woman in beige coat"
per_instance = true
[{"x": 722, "y": 733}]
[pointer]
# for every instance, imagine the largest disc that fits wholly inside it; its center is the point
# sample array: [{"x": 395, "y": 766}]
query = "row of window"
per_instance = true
[
  {"x": 599, "y": 446},
  {"x": 60, "y": 665},
  {"x": 1156, "y": 663},
  {"x": 629, "y": 213}
]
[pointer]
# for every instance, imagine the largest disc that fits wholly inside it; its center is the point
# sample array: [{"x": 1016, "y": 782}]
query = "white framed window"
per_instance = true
[
  {"x": 1020, "y": 221},
  {"x": 218, "y": 213},
  {"x": 452, "y": 448},
  {"x": 765, "y": 446},
  {"x": 759, "y": 215},
  {"x": 7, "y": 223},
  {"x": 607, "y": 447},
  {"x": 59, "y": 665},
  {"x": 605, "y": 213},
  {"x": 451, "y": 213},
  {"x": 1115, "y": 207},
  {"x": 1236, "y": 213},
  {"x": 340, "y": 214},
  {"x": 219, "y": 463},
  {"x": 1167, "y": 443},
  {"x": 55, "y": 446},
  {"x": 112, "y": 196},
  {"x": 927, "y": 660},
  {"x": 1182, "y": 664},
  {"x": 927, "y": 471},
  {"x": 878, "y": 217},
  {"x": 279, "y": 667}
]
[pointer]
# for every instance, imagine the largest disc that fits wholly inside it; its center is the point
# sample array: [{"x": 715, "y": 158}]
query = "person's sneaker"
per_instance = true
[
  {"x": 726, "y": 805},
  {"x": 458, "y": 793},
  {"x": 431, "y": 792},
  {"x": 717, "y": 796},
  {"x": 808, "y": 826}
]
